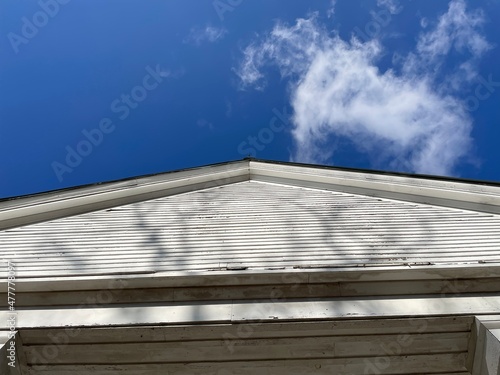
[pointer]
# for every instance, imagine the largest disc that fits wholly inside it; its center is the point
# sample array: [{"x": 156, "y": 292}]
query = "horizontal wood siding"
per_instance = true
[
  {"x": 251, "y": 225},
  {"x": 391, "y": 346}
]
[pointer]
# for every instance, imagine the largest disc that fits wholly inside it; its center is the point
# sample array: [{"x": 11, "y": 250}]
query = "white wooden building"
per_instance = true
[{"x": 254, "y": 267}]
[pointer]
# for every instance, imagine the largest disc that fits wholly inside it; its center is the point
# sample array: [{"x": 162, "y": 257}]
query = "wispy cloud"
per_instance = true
[
  {"x": 393, "y": 6},
  {"x": 177, "y": 73},
  {"x": 456, "y": 29},
  {"x": 331, "y": 10},
  {"x": 210, "y": 34},
  {"x": 459, "y": 31},
  {"x": 205, "y": 123},
  {"x": 405, "y": 117}
]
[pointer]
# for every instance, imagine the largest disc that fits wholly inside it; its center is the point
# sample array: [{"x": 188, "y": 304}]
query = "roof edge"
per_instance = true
[
  {"x": 451, "y": 193},
  {"x": 379, "y": 172},
  {"x": 59, "y": 204},
  {"x": 445, "y": 193}
]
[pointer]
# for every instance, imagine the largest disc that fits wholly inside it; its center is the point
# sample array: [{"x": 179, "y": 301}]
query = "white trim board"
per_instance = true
[
  {"x": 58, "y": 204},
  {"x": 247, "y": 311},
  {"x": 291, "y": 277},
  {"x": 419, "y": 190}
]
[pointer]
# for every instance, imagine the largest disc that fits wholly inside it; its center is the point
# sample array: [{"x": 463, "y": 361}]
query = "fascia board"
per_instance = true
[
  {"x": 86, "y": 199},
  {"x": 267, "y": 277},
  {"x": 60, "y": 204},
  {"x": 248, "y": 311},
  {"x": 461, "y": 195}
]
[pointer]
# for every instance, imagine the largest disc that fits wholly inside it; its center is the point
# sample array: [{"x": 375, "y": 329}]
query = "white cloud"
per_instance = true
[
  {"x": 456, "y": 29},
  {"x": 406, "y": 119},
  {"x": 209, "y": 34},
  {"x": 331, "y": 10},
  {"x": 392, "y": 6}
]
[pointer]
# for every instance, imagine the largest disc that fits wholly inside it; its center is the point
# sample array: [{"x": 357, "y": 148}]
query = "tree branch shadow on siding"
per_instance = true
[{"x": 276, "y": 227}]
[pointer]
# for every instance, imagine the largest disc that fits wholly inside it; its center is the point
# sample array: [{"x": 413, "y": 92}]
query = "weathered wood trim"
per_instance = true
[
  {"x": 473, "y": 344},
  {"x": 484, "y": 356},
  {"x": 86, "y": 199},
  {"x": 261, "y": 311},
  {"x": 459, "y": 195},
  {"x": 122, "y": 280},
  {"x": 347, "y": 346},
  {"x": 442, "y": 288},
  {"x": 58, "y": 204},
  {"x": 438, "y": 364},
  {"x": 240, "y": 331}
]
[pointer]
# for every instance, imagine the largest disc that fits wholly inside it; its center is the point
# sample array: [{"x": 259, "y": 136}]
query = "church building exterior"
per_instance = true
[{"x": 253, "y": 267}]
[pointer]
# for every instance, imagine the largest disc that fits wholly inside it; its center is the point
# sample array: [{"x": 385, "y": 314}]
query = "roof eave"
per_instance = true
[
  {"x": 64, "y": 203},
  {"x": 69, "y": 202}
]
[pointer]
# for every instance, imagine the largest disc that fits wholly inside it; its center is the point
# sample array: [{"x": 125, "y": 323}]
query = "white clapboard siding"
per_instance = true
[
  {"x": 399, "y": 365},
  {"x": 393, "y": 346},
  {"x": 251, "y": 225}
]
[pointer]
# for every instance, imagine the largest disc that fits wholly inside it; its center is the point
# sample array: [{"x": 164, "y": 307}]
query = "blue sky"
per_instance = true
[{"x": 98, "y": 90}]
